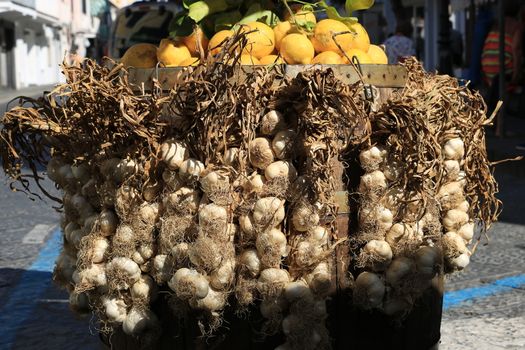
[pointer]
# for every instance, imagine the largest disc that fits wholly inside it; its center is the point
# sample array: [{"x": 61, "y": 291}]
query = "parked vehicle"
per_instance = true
[{"x": 141, "y": 22}]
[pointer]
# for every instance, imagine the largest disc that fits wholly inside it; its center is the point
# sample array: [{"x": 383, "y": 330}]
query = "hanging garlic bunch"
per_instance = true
[{"x": 458, "y": 226}]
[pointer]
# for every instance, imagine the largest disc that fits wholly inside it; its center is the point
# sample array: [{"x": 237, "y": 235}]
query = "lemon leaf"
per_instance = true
[
  {"x": 332, "y": 13},
  {"x": 181, "y": 25}
]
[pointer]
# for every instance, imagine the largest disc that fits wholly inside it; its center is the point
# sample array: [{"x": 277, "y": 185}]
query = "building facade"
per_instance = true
[{"x": 36, "y": 36}]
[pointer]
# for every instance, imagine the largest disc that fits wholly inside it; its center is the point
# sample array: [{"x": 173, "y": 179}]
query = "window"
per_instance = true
[{"x": 84, "y": 6}]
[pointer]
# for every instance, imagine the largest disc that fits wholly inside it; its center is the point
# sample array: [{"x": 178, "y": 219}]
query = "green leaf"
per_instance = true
[
  {"x": 200, "y": 9},
  {"x": 357, "y": 5},
  {"x": 332, "y": 13},
  {"x": 181, "y": 25},
  {"x": 226, "y": 20},
  {"x": 187, "y": 3}
]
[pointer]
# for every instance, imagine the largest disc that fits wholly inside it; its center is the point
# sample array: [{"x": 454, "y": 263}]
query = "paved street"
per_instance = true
[{"x": 483, "y": 308}]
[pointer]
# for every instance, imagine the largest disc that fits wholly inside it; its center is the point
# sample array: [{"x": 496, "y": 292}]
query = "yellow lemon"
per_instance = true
[
  {"x": 140, "y": 56},
  {"x": 192, "y": 61},
  {"x": 360, "y": 39},
  {"x": 326, "y": 31},
  {"x": 327, "y": 57},
  {"x": 300, "y": 14},
  {"x": 280, "y": 31},
  {"x": 271, "y": 59},
  {"x": 170, "y": 53},
  {"x": 216, "y": 41},
  {"x": 377, "y": 54},
  {"x": 361, "y": 56},
  {"x": 249, "y": 60},
  {"x": 197, "y": 37},
  {"x": 297, "y": 49},
  {"x": 261, "y": 39}
]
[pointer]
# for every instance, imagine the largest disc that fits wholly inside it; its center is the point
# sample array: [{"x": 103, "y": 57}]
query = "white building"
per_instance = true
[{"x": 35, "y": 36}]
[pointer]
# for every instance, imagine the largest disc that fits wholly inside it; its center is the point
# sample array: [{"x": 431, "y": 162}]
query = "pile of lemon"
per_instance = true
[{"x": 330, "y": 42}]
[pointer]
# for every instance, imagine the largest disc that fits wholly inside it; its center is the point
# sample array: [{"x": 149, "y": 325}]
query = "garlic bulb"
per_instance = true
[
  {"x": 297, "y": 290},
  {"x": 190, "y": 169},
  {"x": 213, "y": 301},
  {"x": 454, "y": 219},
  {"x": 379, "y": 253},
  {"x": 369, "y": 290},
  {"x": 124, "y": 169},
  {"x": 247, "y": 226},
  {"x": 372, "y": 182},
  {"x": 272, "y": 122},
  {"x": 250, "y": 262},
  {"x": 125, "y": 271},
  {"x": 318, "y": 235},
  {"x": 280, "y": 169},
  {"x": 145, "y": 288},
  {"x": 138, "y": 320},
  {"x": 463, "y": 206},
  {"x": 93, "y": 276},
  {"x": 188, "y": 284},
  {"x": 451, "y": 194},
  {"x": 205, "y": 253},
  {"x": 460, "y": 262},
  {"x": 454, "y": 149},
  {"x": 454, "y": 245},
  {"x": 255, "y": 183},
  {"x": 185, "y": 199},
  {"x": 427, "y": 261},
  {"x": 271, "y": 246},
  {"x": 81, "y": 172},
  {"x": 272, "y": 281},
  {"x": 115, "y": 309},
  {"x": 452, "y": 168},
  {"x": 320, "y": 280},
  {"x": 372, "y": 158},
  {"x": 52, "y": 169},
  {"x": 306, "y": 253},
  {"x": 173, "y": 154},
  {"x": 100, "y": 249},
  {"x": 268, "y": 212},
  {"x": 149, "y": 213},
  {"x": 230, "y": 156},
  {"x": 79, "y": 302},
  {"x": 214, "y": 182},
  {"x": 213, "y": 218},
  {"x": 261, "y": 153},
  {"x": 466, "y": 231},
  {"x": 162, "y": 267},
  {"x": 223, "y": 277},
  {"x": 397, "y": 233},
  {"x": 398, "y": 269},
  {"x": 108, "y": 222},
  {"x": 282, "y": 143},
  {"x": 304, "y": 217}
]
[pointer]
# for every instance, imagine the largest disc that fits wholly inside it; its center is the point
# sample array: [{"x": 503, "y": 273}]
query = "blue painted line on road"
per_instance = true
[
  {"x": 455, "y": 298},
  {"x": 24, "y": 296}
]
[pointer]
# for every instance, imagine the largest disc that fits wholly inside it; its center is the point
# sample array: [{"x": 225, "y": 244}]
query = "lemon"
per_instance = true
[
  {"x": 360, "y": 39},
  {"x": 297, "y": 49},
  {"x": 323, "y": 40},
  {"x": 261, "y": 39},
  {"x": 140, "y": 56},
  {"x": 361, "y": 56},
  {"x": 249, "y": 60},
  {"x": 280, "y": 31},
  {"x": 377, "y": 54},
  {"x": 271, "y": 59},
  {"x": 196, "y": 37},
  {"x": 300, "y": 14},
  {"x": 327, "y": 57},
  {"x": 216, "y": 41},
  {"x": 170, "y": 53},
  {"x": 192, "y": 61}
]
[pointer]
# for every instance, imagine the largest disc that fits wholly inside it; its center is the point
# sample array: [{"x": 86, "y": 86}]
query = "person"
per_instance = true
[
  {"x": 400, "y": 45},
  {"x": 513, "y": 49}
]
